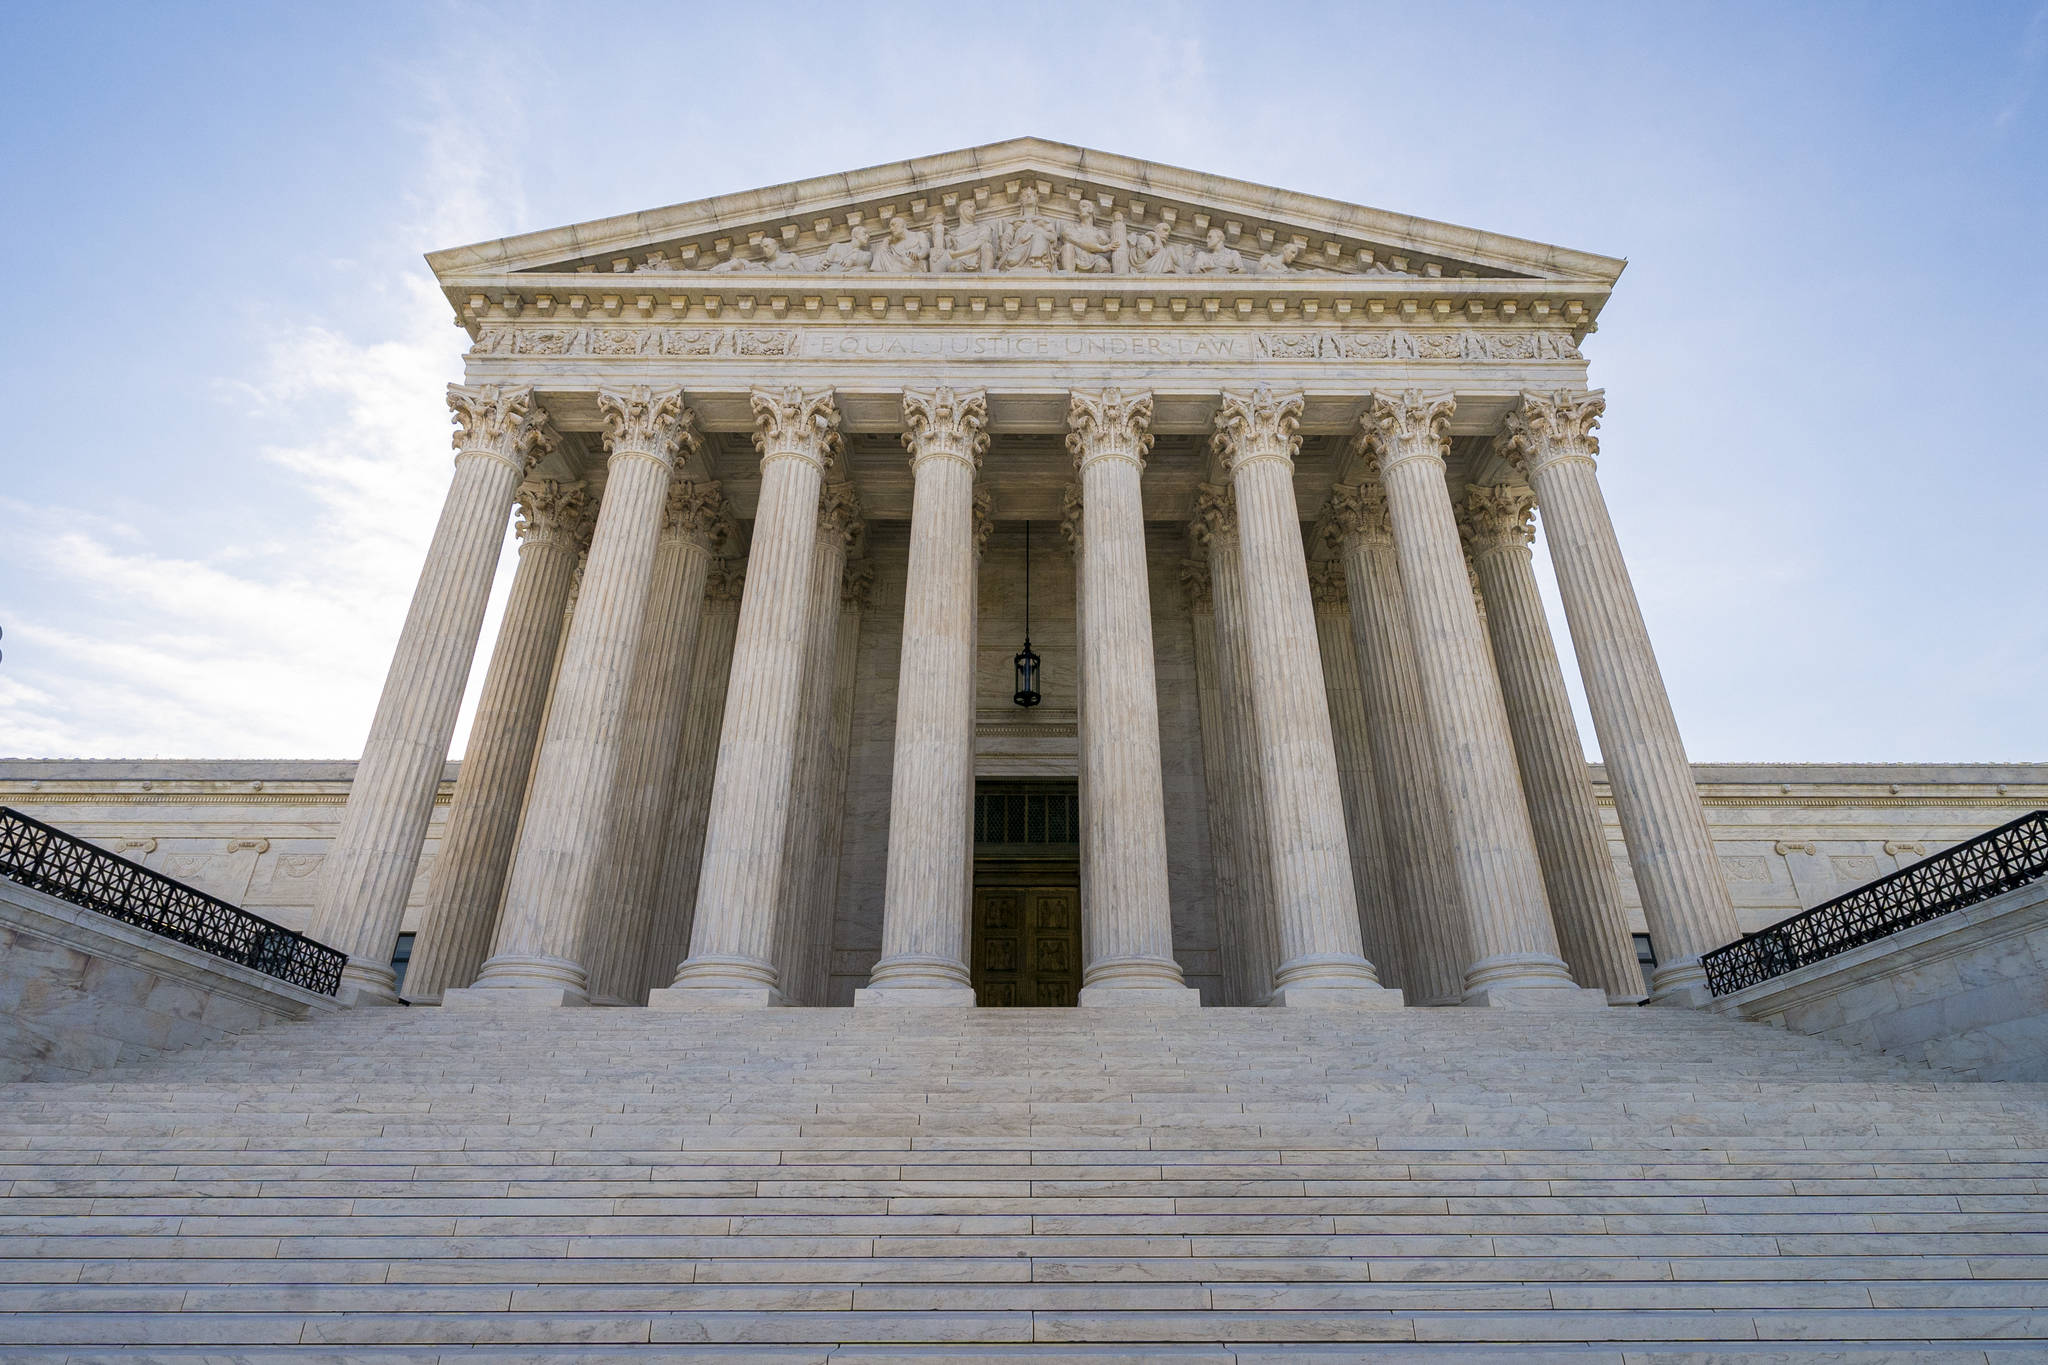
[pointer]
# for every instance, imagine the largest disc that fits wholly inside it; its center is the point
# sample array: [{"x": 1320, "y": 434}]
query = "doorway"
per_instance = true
[{"x": 1027, "y": 893}]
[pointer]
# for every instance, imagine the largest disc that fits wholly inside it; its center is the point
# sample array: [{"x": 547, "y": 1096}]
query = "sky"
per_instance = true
[{"x": 225, "y": 442}]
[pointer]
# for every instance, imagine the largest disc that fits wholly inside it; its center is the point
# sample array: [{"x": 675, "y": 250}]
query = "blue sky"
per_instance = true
[{"x": 1826, "y": 366}]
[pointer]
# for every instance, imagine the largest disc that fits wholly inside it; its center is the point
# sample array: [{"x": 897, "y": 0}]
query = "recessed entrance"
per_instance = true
[{"x": 1027, "y": 893}]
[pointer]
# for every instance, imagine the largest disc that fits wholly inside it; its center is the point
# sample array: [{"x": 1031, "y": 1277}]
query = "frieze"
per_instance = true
[{"x": 742, "y": 343}]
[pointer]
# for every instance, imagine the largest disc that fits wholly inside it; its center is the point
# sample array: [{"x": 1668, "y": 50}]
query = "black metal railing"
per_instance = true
[
  {"x": 1988, "y": 865},
  {"x": 58, "y": 864}
]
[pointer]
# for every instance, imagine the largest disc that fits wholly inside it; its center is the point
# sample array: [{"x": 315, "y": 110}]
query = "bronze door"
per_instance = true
[{"x": 1027, "y": 945}]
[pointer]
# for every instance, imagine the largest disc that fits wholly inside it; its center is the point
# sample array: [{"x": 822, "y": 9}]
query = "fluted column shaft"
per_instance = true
[
  {"x": 1220, "y": 784},
  {"x": 1215, "y": 529},
  {"x": 1585, "y": 897},
  {"x": 802, "y": 847},
  {"x": 1499, "y": 875},
  {"x": 536, "y": 957},
  {"x": 1417, "y": 831},
  {"x": 468, "y": 880},
  {"x": 694, "y": 523},
  {"x": 1315, "y": 912},
  {"x": 1379, "y": 921},
  {"x": 675, "y": 897},
  {"x": 931, "y": 789},
  {"x": 1127, "y": 924},
  {"x": 368, "y": 871},
  {"x": 821, "y": 894},
  {"x": 1670, "y": 847},
  {"x": 733, "y": 930}
]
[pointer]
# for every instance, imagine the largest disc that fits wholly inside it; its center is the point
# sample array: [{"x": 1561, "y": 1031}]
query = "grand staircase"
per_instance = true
[{"x": 1229, "y": 1185}]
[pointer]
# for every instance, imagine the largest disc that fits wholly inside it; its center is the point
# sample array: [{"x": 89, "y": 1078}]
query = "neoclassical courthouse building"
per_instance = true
[{"x": 816, "y": 486}]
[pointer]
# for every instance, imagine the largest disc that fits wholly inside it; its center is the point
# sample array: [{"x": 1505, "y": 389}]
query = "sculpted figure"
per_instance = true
[
  {"x": 972, "y": 246},
  {"x": 1155, "y": 253},
  {"x": 852, "y": 254},
  {"x": 1216, "y": 258},
  {"x": 773, "y": 257},
  {"x": 1086, "y": 246},
  {"x": 1033, "y": 239},
  {"x": 902, "y": 252},
  {"x": 1277, "y": 262}
]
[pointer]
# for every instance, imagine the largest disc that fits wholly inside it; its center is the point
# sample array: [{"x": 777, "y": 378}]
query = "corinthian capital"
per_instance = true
[
  {"x": 839, "y": 513},
  {"x": 1260, "y": 425},
  {"x": 501, "y": 422},
  {"x": 554, "y": 513},
  {"x": 696, "y": 510},
  {"x": 1215, "y": 516},
  {"x": 1406, "y": 426},
  {"x": 856, "y": 583},
  {"x": 1070, "y": 515},
  {"x": 1551, "y": 427},
  {"x": 1495, "y": 517},
  {"x": 983, "y": 519},
  {"x": 1195, "y": 585},
  {"x": 1358, "y": 512},
  {"x": 648, "y": 422},
  {"x": 1109, "y": 426},
  {"x": 794, "y": 423},
  {"x": 726, "y": 581},
  {"x": 1326, "y": 582},
  {"x": 945, "y": 425}
]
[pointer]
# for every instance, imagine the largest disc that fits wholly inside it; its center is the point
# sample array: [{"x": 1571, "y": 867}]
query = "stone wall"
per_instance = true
[
  {"x": 80, "y": 992},
  {"x": 1967, "y": 992}
]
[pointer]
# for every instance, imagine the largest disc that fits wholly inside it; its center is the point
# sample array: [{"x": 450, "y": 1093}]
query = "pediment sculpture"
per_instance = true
[{"x": 1030, "y": 241}]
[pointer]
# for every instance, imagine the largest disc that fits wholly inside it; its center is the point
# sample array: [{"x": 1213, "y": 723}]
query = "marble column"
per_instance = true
[
  {"x": 931, "y": 785},
  {"x": 821, "y": 897},
  {"x": 1219, "y": 783},
  {"x": 1500, "y": 879},
  {"x": 733, "y": 929},
  {"x": 839, "y": 526},
  {"x": 1126, "y": 918},
  {"x": 535, "y": 957},
  {"x": 1585, "y": 897},
  {"x": 675, "y": 896},
  {"x": 1677, "y": 872},
  {"x": 468, "y": 879},
  {"x": 1214, "y": 529},
  {"x": 1379, "y": 921},
  {"x": 1315, "y": 913},
  {"x": 695, "y": 524},
  {"x": 1071, "y": 526},
  {"x": 368, "y": 872},
  {"x": 1415, "y": 828}
]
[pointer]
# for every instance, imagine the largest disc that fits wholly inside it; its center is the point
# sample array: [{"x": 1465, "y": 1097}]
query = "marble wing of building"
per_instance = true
[{"x": 786, "y": 467}]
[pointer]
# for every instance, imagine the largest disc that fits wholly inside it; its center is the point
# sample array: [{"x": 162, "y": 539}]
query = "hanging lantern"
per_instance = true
[{"x": 1027, "y": 661}]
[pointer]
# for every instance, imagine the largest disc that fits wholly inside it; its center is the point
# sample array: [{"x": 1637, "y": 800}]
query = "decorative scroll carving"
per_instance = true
[
  {"x": 1551, "y": 427},
  {"x": 552, "y": 511},
  {"x": 1109, "y": 426},
  {"x": 1260, "y": 425},
  {"x": 1405, "y": 426},
  {"x": 796, "y": 422},
  {"x": 697, "y": 510},
  {"x": 1496, "y": 516},
  {"x": 503, "y": 422},
  {"x": 1360, "y": 511},
  {"x": 639, "y": 420},
  {"x": 945, "y": 425}
]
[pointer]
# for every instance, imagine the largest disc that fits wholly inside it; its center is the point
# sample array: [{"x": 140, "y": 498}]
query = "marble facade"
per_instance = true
[{"x": 1294, "y": 654}]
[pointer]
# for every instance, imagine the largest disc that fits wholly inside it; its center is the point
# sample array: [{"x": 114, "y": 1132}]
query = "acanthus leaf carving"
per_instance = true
[
  {"x": 794, "y": 422},
  {"x": 1407, "y": 425},
  {"x": 1109, "y": 425},
  {"x": 551, "y": 511},
  {"x": 1326, "y": 582},
  {"x": 1196, "y": 585},
  {"x": 642, "y": 420},
  {"x": 1259, "y": 425},
  {"x": 502, "y": 421},
  {"x": 839, "y": 513},
  {"x": 1359, "y": 512},
  {"x": 944, "y": 424},
  {"x": 981, "y": 514},
  {"x": 1497, "y": 516},
  {"x": 1549, "y": 427},
  {"x": 1215, "y": 515},
  {"x": 696, "y": 509}
]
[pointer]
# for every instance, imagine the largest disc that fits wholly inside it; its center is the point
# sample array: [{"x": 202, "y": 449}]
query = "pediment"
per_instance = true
[{"x": 1025, "y": 208}]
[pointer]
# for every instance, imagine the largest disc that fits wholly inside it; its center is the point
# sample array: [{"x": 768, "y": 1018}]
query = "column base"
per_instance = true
[
  {"x": 1338, "y": 995},
  {"x": 367, "y": 983},
  {"x": 919, "y": 996},
  {"x": 512, "y": 998},
  {"x": 1140, "y": 995},
  {"x": 1680, "y": 985},
  {"x": 1537, "y": 998},
  {"x": 706, "y": 997}
]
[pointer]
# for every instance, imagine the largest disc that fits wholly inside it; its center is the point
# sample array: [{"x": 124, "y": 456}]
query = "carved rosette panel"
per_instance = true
[
  {"x": 943, "y": 424},
  {"x": 1497, "y": 516},
  {"x": 1109, "y": 425},
  {"x": 1259, "y": 425},
  {"x": 796, "y": 423},
  {"x": 501, "y": 421},
  {"x": 1551, "y": 427}
]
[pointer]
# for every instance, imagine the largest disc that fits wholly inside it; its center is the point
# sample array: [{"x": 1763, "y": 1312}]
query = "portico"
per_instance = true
[{"x": 1295, "y": 667}]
